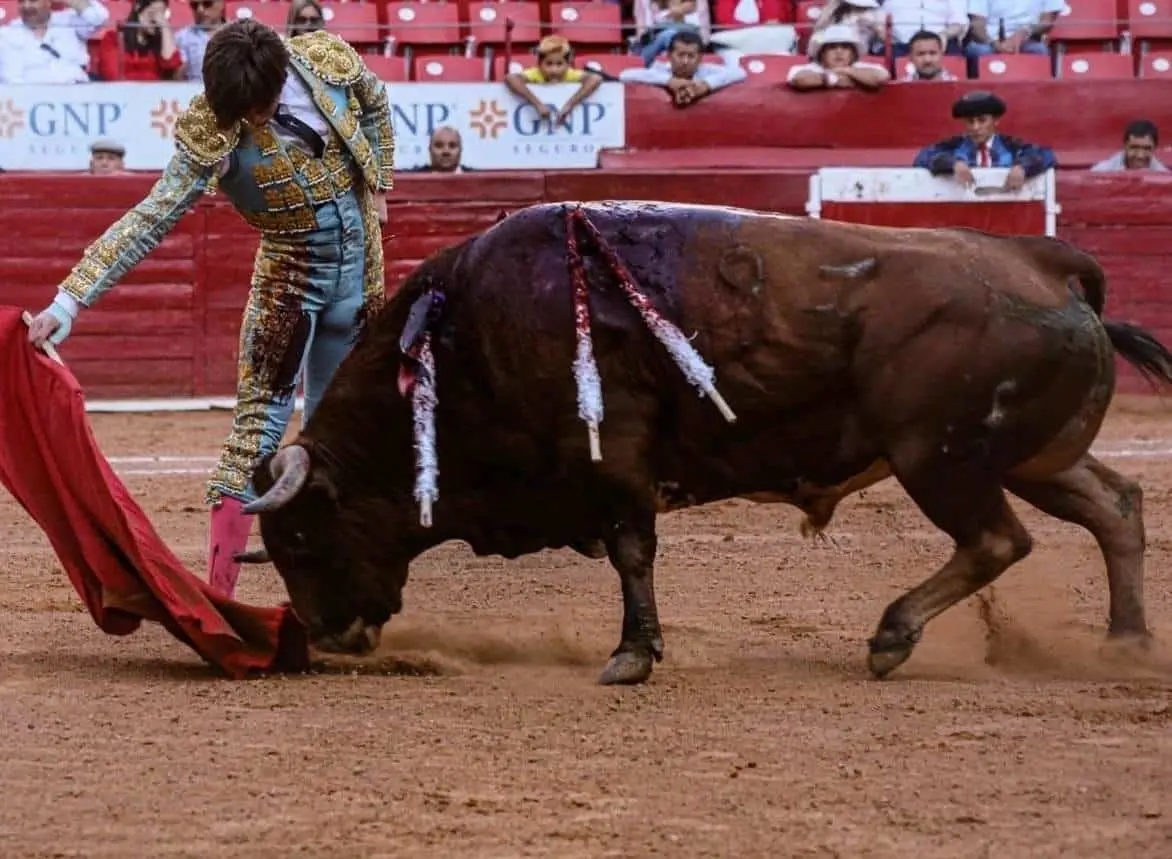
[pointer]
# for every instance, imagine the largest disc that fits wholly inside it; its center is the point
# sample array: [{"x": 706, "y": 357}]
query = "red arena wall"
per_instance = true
[{"x": 170, "y": 329}]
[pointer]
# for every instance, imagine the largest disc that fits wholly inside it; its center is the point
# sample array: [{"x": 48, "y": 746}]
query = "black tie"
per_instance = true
[{"x": 307, "y": 135}]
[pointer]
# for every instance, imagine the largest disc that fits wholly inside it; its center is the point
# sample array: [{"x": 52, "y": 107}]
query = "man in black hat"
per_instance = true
[{"x": 982, "y": 146}]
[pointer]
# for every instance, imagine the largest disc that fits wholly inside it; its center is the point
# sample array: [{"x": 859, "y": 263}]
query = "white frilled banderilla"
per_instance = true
[
  {"x": 694, "y": 368},
  {"x": 415, "y": 342}
]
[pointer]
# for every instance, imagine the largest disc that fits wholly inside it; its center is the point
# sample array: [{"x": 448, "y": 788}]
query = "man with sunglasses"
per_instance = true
[
  {"x": 192, "y": 41},
  {"x": 297, "y": 134}
]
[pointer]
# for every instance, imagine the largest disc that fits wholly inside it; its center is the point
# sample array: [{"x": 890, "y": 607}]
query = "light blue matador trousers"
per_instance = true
[{"x": 302, "y": 317}]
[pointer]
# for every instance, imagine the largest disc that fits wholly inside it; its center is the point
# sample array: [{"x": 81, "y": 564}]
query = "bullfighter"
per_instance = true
[
  {"x": 297, "y": 134},
  {"x": 982, "y": 146}
]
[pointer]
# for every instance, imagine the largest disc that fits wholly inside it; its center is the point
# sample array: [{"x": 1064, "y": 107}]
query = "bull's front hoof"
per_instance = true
[
  {"x": 890, "y": 648},
  {"x": 627, "y": 668},
  {"x": 1127, "y": 643}
]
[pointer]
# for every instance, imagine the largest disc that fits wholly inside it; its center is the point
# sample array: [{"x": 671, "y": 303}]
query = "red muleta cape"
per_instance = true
[{"x": 122, "y": 570}]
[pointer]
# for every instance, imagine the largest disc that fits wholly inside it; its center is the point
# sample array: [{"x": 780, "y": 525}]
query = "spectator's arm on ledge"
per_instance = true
[
  {"x": 88, "y": 17},
  {"x": 653, "y": 75},
  {"x": 809, "y": 76},
  {"x": 718, "y": 77},
  {"x": 868, "y": 76},
  {"x": 1034, "y": 160},
  {"x": 939, "y": 159}
]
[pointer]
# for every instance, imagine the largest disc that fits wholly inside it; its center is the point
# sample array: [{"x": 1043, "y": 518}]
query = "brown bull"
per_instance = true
[{"x": 962, "y": 363}]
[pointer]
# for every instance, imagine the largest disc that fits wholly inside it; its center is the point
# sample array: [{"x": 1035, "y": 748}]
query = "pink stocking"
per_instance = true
[{"x": 227, "y": 534}]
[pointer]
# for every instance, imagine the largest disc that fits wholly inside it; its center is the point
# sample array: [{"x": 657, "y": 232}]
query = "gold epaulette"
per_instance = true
[
  {"x": 197, "y": 134},
  {"x": 329, "y": 57}
]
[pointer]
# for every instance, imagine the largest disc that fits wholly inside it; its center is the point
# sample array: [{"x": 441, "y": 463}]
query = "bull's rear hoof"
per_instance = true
[
  {"x": 627, "y": 669},
  {"x": 889, "y": 650}
]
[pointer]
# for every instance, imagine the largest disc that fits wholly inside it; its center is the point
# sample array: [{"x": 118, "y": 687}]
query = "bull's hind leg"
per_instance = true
[
  {"x": 970, "y": 507},
  {"x": 1110, "y": 507},
  {"x": 632, "y": 545}
]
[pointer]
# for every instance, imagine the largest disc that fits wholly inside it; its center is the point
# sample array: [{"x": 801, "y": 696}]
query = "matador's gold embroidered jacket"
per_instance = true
[{"x": 273, "y": 189}]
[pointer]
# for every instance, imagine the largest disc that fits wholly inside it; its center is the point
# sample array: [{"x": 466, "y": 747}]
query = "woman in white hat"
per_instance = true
[{"x": 835, "y": 62}]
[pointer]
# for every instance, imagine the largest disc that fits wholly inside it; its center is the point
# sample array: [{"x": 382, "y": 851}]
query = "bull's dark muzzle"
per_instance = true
[{"x": 358, "y": 639}]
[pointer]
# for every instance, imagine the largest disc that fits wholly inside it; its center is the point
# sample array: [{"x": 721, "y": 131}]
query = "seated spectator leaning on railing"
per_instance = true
[
  {"x": 982, "y": 146},
  {"x": 1140, "y": 140},
  {"x": 1010, "y": 27},
  {"x": 927, "y": 49},
  {"x": 864, "y": 16},
  {"x": 46, "y": 47},
  {"x": 141, "y": 49},
  {"x": 657, "y": 21},
  {"x": 683, "y": 75},
  {"x": 948, "y": 19},
  {"x": 193, "y": 39},
  {"x": 305, "y": 16},
  {"x": 835, "y": 64},
  {"x": 554, "y": 66}
]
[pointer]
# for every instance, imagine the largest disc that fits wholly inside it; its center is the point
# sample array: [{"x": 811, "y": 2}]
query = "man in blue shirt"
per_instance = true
[{"x": 983, "y": 146}]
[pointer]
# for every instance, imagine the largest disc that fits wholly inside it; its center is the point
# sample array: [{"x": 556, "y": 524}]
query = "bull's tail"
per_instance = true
[
  {"x": 1067, "y": 261},
  {"x": 1139, "y": 348}
]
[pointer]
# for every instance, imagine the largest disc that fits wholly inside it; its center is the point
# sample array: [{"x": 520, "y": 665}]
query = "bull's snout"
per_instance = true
[{"x": 358, "y": 639}]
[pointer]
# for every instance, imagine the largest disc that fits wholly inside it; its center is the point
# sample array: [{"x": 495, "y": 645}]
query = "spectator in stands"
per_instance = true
[
  {"x": 982, "y": 146},
  {"x": 926, "y": 50},
  {"x": 193, "y": 39},
  {"x": 1140, "y": 139},
  {"x": 554, "y": 66},
  {"x": 683, "y": 75},
  {"x": 106, "y": 158},
  {"x": 834, "y": 54},
  {"x": 865, "y": 16},
  {"x": 444, "y": 149},
  {"x": 947, "y": 19},
  {"x": 305, "y": 16},
  {"x": 143, "y": 48},
  {"x": 1009, "y": 27},
  {"x": 46, "y": 47},
  {"x": 657, "y": 22}
]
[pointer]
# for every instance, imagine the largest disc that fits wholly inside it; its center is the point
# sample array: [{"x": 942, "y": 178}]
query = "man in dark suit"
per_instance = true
[{"x": 983, "y": 146}]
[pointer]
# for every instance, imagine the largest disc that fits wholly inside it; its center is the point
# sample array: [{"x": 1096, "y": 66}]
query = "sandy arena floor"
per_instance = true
[{"x": 760, "y": 735}]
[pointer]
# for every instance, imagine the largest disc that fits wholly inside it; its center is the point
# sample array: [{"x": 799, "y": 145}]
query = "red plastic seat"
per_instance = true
[
  {"x": 1014, "y": 67},
  {"x": 179, "y": 16},
  {"x": 392, "y": 69},
  {"x": 1149, "y": 20},
  {"x": 770, "y": 68},
  {"x": 1086, "y": 21},
  {"x": 612, "y": 64},
  {"x": 587, "y": 23},
  {"x": 1096, "y": 67},
  {"x": 450, "y": 69},
  {"x": 1155, "y": 65},
  {"x": 8, "y": 12},
  {"x": 416, "y": 24},
  {"x": 357, "y": 23},
  {"x": 273, "y": 15},
  {"x": 487, "y": 21},
  {"x": 517, "y": 64}
]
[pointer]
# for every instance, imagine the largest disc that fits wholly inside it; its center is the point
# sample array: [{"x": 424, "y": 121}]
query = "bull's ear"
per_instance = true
[{"x": 321, "y": 481}]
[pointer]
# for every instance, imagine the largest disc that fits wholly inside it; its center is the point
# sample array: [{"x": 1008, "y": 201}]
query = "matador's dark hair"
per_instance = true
[{"x": 244, "y": 70}]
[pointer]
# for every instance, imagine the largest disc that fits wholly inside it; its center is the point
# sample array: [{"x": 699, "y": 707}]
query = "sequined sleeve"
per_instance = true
[
  {"x": 375, "y": 121},
  {"x": 139, "y": 231}
]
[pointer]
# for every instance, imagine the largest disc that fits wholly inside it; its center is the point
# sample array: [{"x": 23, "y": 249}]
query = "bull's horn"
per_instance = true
[{"x": 290, "y": 468}]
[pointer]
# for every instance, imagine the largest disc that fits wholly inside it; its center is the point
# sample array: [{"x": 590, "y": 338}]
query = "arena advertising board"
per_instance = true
[{"x": 52, "y": 127}]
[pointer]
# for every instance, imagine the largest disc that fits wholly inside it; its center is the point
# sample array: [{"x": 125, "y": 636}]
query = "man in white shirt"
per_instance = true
[
  {"x": 684, "y": 75},
  {"x": 46, "y": 47},
  {"x": 1010, "y": 27},
  {"x": 948, "y": 19},
  {"x": 925, "y": 51},
  {"x": 1140, "y": 140}
]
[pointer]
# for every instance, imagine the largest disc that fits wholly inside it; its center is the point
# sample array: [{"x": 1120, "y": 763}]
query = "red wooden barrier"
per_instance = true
[{"x": 171, "y": 328}]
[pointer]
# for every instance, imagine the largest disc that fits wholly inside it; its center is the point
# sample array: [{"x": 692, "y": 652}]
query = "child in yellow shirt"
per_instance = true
[{"x": 554, "y": 66}]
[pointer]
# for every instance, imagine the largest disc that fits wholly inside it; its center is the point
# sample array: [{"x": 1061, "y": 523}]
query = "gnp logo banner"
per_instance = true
[{"x": 52, "y": 127}]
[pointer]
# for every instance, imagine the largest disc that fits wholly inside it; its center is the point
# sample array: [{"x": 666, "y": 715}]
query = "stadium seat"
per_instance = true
[
  {"x": 587, "y": 23},
  {"x": 1095, "y": 66},
  {"x": 1150, "y": 23},
  {"x": 770, "y": 68},
  {"x": 1155, "y": 65},
  {"x": 392, "y": 69},
  {"x": 357, "y": 23},
  {"x": 1014, "y": 67},
  {"x": 178, "y": 16},
  {"x": 422, "y": 25},
  {"x": 271, "y": 14},
  {"x": 486, "y": 24},
  {"x": 956, "y": 65},
  {"x": 1084, "y": 26},
  {"x": 806, "y": 14},
  {"x": 612, "y": 64},
  {"x": 8, "y": 12},
  {"x": 515, "y": 65},
  {"x": 450, "y": 69}
]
